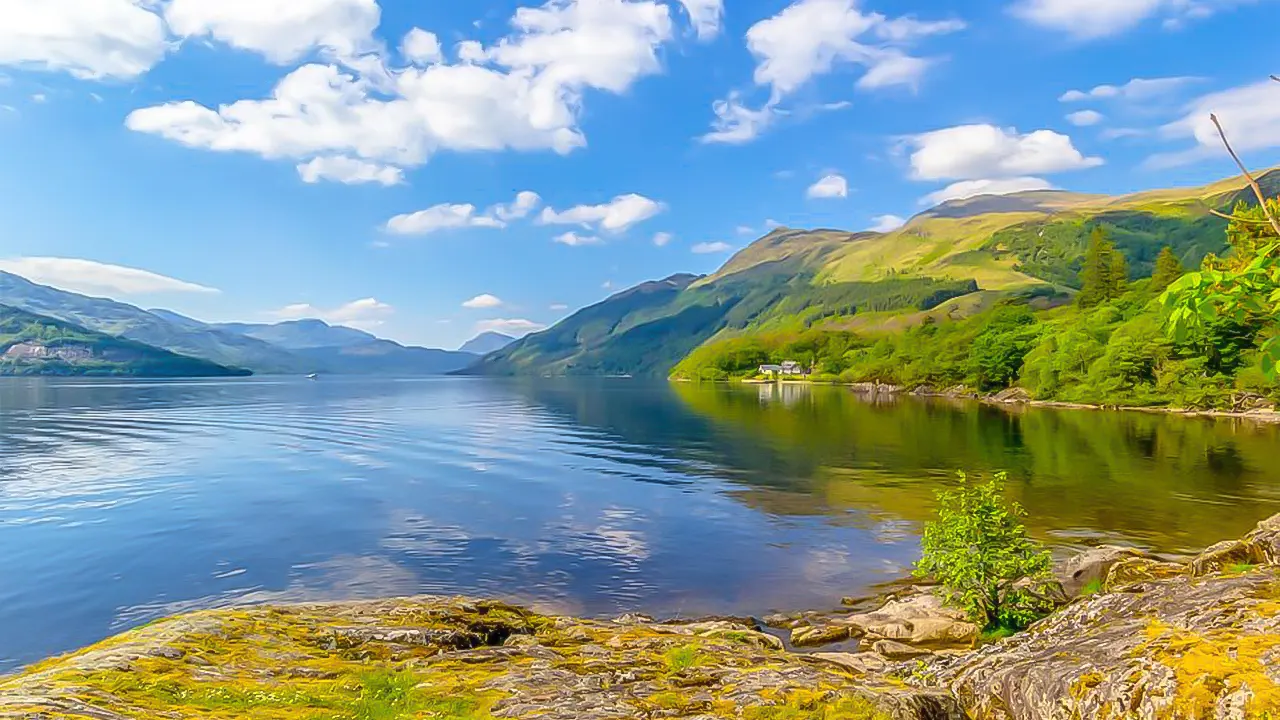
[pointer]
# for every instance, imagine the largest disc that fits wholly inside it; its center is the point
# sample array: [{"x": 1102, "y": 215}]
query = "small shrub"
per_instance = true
[{"x": 978, "y": 550}]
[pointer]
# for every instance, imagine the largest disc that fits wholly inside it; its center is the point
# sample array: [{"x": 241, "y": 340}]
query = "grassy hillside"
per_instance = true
[
  {"x": 168, "y": 331},
  {"x": 35, "y": 345},
  {"x": 948, "y": 264}
]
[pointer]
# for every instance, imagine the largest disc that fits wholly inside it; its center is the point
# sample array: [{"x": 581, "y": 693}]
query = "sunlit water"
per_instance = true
[{"x": 124, "y": 501}]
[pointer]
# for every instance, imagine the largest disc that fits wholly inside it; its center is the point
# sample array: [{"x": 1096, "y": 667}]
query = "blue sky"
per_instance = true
[{"x": 428, "y": 170}]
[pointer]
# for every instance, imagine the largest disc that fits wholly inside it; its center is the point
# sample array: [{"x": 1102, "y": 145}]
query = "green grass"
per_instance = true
[
  {"x": 682, "y": 658},
  {"x": 1241, "y": 568},
  {"x": 996, "y": 634},
  {"x": 1093, "y": 587}
]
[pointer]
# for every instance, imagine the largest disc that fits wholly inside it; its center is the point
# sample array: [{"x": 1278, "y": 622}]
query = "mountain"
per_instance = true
[
  {"x": 302, "y": 334},
  {"x": 338, "y": 350},
  {"x": 486, "y": 342},
  {"x": 35, "y": 345},
  {"x": 109, "y": 317},
  {"x": 949, "y": 262}
]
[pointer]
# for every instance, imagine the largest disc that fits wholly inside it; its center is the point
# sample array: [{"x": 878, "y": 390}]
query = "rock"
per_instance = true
[
  {"x": 1204, "y": 648},
  {"x": 897, "y": 651},
  {"x": 813, "y": 635},
  {"x": 864, "y": 663},
  {"x": 921, "y": 619},
  {"x": 1092, "y": 566},
  {"x": 1012, "y": 396},
  {"x": 1261, "y": 546},
  {"x": 1134, "y": 571}
]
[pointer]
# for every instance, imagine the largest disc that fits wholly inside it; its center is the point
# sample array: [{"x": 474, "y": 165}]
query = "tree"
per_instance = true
[
  {"x": 978, "y": 550},
  {"x": 1105, "y": 274},
  {"x": 1168, "y": 270}
]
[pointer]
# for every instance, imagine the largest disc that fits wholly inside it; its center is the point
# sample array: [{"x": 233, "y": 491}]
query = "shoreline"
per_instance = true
[{"x": 1017, "y": 399}]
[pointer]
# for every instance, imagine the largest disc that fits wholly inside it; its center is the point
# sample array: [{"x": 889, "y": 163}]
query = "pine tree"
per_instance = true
[
  {"x": 1096, "y": 284},
  {"x": 1119, "y": 274},
  {"x": 1168, "y": 269}
]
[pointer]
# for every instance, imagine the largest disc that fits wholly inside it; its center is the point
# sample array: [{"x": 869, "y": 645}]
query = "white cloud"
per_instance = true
[
  {"x": 90, "y": 39},
  {"x": 283, "y": 31},
  {"x": 1134, "y": 90},
  {"x": 515, "y": 327},
  {"x": 421, "y": 47},
  {"x": 615, "y": 216},
  {"x": 39, "y": 98},
  {"x": 973, "y": 188},
  {"x": 887, "y": 223},
  {"x": 526, "y": 202},
  {"x": 559, "y": 307},
  {"x": 523, "y": 93},
  {"x": 364, "y": 314},
  {"x": 573, "y": 239},
  {"x": 830, "y": 186},
  {"x": 1091, "y": 19},
  {"x": 810, "y": 38},
  {"x": 709, "y": 248},
  {"x": 441, "y": 217},
  {"x": 349, "y": 171},
  {"x": 662, "y": 239},
  {"x": 94, "y": 278},
  {"x": 736, "y": 123},
  {"x": 705, "y": 16},
  {"x": 448, "y": 216},
  {"x": 483, "y": 302},
  {"x": 1085, "y": 118},
  {"x": 772, "y": 224},
  {"x": 968, "y": 152},
  {"x": 1249, "y": 114},
  {"x": 745, "y": 230}
]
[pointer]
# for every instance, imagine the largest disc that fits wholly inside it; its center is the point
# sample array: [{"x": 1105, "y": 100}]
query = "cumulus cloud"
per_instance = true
[
  {"x": 90, "y": 39},
  {"x": 282, "y": 31},
  {"x": 1085, "y": 118},
  {"x": 1250, "y": 115},
  {"x": 441, "y": 217},
  {"x": 810, "y": 38},
  {"x": 973, "y": 188},
  {"x": 1135, "y": 90},
  {"x": 365, "y": 314},
  {"x": 573, "y": 239},
  {"x": 514, "y": 327},
  {"x": 524, "y": 93},
  {"x": 705, "y": 16},
  {"x": 710, "y": 248},
  {"x": 94, "y": 278},
  {"x": 886, "y": 223},
  {"x": 662, "y": 239},
  {"x": 483, "y": 302},
  {"x": 421, "y": 47},
  {"x": 447, "y": 216},
  {"x": 969, "y": 152},
  {"x": 1091, "y": 19},
  {"x": 615, "y": 216},
  {"x": 830, "y": 186},
  {"x": 349, "y": 171}
]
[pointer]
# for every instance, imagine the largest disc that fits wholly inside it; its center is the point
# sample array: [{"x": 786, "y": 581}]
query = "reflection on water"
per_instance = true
[{"x": 121, "y": 502}]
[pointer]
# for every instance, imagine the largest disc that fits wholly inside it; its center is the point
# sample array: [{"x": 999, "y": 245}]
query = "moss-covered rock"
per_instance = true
[{"x": 448, "y": 659}]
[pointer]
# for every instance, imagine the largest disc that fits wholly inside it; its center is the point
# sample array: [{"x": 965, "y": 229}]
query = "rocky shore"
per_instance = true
[{"x": 1136, "y": 637}]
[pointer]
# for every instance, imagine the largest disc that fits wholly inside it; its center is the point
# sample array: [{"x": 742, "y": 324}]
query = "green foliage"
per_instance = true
[
  {"x": 1093, "y": 587},
  {"x": 1168, "y": 270},
  {"x": 999, "y": 350},
  {"x": 978, "y": 550},
  {"x": 1229, "y": 299},
  {"x": 679, "y": 659},
  {"x": 1105, "y": 274}
]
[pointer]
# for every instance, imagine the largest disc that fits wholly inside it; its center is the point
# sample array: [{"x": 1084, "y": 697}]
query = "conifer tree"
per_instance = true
[
  {"x": 1168, "y": 269},
  {"x": 1096, "y": 283}
]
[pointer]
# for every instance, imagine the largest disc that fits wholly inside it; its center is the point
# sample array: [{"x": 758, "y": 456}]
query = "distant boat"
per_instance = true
[{"x": 313, "y": 376}]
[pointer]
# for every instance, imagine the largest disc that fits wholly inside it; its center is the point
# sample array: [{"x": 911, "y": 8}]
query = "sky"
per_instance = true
[{"x": 430, "y": 170}]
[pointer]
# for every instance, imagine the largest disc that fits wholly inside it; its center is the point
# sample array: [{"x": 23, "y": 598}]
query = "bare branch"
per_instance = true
[
  {"x": 1250, "y": 221},
  {"x": 1257, "y": 189},
  {"x": 1277, "y": 79}
]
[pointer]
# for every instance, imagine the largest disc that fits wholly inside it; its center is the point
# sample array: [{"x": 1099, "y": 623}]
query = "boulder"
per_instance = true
[
  {"x": 893, "y": 650},
  {"x": 1133, "y": 572},
  {"x": 921, "y": 619},
  {"x": 1092, "y": 566},
  {"x": 1012, "y": 396},
  {"x": 815, "y": 635},
  {"x": 1261, "y": 546}
]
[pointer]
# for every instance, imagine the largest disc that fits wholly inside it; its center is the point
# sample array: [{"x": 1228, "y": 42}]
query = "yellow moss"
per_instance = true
[{"x": 1211, "y": 664}]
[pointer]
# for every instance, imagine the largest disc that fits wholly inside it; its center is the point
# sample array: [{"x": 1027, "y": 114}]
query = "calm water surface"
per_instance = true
[{"x": 124, "y": 501}]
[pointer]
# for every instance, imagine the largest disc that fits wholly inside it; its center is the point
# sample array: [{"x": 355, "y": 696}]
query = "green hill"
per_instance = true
[
  {"x": 952, "y": 266},
  {"x": 36, "y": 345}
]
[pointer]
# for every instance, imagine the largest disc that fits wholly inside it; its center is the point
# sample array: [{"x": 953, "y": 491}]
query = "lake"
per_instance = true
[{"x": 125, "y": 501}]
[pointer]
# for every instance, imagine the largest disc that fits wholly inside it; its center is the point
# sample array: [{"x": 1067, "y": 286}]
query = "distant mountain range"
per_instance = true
[
  {"x": 295, "y": 347},
  {"x": 486, "y": 342},
  {"x": 36, "y": 345},
  {"x": 952, "y": 261}
]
